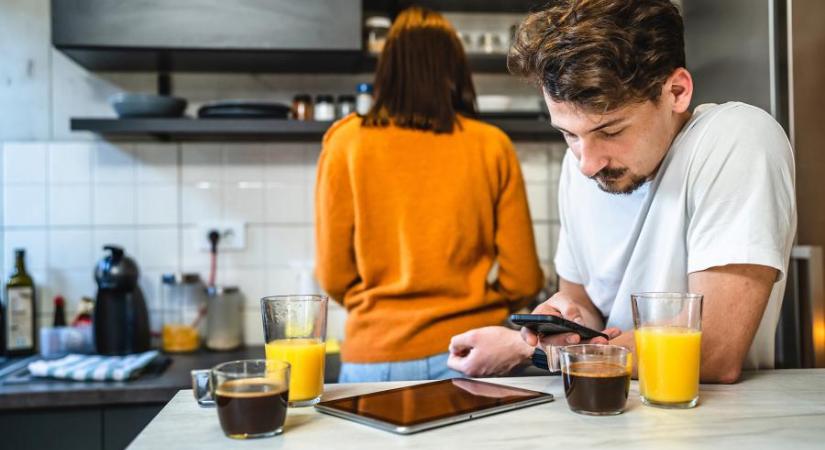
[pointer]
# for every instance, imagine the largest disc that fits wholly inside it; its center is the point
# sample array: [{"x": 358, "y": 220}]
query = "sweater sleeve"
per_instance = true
[
  {"x": 519, "y": 274},
  {"x": 336, "y": 269}
]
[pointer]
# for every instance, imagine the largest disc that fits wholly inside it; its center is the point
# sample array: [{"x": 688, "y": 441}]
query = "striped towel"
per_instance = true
[{"x": 93, "y": 367}]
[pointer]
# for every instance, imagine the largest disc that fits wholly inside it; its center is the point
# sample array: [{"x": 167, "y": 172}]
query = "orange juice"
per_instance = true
[
  {"x": 180, "y": 338},
  {"x": 668, "y": 359},
  {"x": 306, "y": 358}
]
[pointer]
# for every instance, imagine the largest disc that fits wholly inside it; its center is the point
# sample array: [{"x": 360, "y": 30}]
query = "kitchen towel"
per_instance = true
[{"x": 93, "y": 367}]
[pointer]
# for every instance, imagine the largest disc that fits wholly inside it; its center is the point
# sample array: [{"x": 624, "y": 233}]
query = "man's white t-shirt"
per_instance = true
[{"x": 724, "y": 194}]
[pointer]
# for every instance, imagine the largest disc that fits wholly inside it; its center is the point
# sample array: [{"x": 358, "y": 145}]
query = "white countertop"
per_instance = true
[{"x": 768, "y": 409}]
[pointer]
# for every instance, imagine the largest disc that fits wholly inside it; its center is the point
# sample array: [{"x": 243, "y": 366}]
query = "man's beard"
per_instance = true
[{"x": 607, "y": 180}]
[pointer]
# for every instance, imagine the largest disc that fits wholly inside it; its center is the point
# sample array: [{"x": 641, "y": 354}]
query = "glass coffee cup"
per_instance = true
[
  {"x": 596, "y": 377},
  {"x": 251, "y": 397}
]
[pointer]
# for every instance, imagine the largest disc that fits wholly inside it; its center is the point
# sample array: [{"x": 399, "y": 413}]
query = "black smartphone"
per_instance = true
[{"x": 547, "y": 325}]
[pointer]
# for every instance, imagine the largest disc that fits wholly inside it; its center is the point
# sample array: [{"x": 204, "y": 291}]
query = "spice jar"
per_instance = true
[
  {"x": 346, "y": 105},
  {"x": 363, "y": 100},
  {"x": 302, "y": 107},
  {"x": 377, "y": 28},
  {"x": 183, "y": 300},
  {"x": 324, "y": 108}
]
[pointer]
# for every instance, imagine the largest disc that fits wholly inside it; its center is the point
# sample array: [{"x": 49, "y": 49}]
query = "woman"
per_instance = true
[{"x": 415, "y": 204}]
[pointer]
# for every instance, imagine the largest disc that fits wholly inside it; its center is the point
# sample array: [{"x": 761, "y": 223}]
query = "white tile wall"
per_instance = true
[
  {"x": 70, "y": 163},
  {"x": 157, "y": 204},
  {"x": 70, "y": 204},
  {"x": 158, "y": 248},
  {"x": 24, "y": 205},
  {"x": 201, "y": 163},
  {"x": 33, "y": 240},
  {"x": 201, "y": 201},
  {"x": 24, "y": 163},
  {"x": 63, "y": 201},
  {"x": 114, "y": 163},
  {"x": 70, "y": 249},
  {"x": 114, "y": 204},
  {"x": 244, "y": 201},
  {"x": 157, "y": 163}
]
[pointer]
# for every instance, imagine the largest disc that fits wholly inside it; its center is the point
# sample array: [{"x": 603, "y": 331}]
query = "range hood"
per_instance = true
[{"x": 209, "y": 35}]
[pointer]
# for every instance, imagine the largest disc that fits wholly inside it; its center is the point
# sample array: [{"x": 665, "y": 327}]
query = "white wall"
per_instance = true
[{"x": 66, "y": 194}]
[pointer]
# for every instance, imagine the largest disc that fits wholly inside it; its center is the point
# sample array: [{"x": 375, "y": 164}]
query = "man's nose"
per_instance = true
[{"x": 591, "y": 160}]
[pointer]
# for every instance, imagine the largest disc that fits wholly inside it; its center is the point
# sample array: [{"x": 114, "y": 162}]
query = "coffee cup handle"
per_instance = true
[
  {"x": 553, "y": 359},
  {"x": 201, "y": 387},
  {"x": 547, "y": 359}
]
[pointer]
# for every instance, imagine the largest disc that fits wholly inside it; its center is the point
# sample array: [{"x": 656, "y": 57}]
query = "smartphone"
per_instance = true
[{"x": 546, "y": 325}]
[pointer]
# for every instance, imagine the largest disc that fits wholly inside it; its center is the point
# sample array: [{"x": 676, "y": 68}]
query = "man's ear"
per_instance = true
[{"x": 679, "y": 89}]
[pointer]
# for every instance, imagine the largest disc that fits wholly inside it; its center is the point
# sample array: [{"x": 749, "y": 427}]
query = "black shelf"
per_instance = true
[
  {"x": 184, "y": 129},
  {"x": 475, "y": 6},
  {"x": 247, "y": 61}
]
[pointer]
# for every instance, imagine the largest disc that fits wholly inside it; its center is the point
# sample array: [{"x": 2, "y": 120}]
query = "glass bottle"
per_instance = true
[{"x": 20, "y": 310}]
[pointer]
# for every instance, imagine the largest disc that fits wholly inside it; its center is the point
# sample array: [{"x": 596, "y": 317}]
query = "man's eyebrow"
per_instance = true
[{"x": 597, "y": 128}]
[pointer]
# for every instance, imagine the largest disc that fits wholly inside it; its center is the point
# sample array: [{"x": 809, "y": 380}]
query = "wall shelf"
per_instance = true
[
  {"x": 185, "y": 129},
  {"x": 247, "y": 61}
]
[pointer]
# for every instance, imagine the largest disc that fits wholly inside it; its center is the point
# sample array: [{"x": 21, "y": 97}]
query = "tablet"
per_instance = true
[{"x": 423, "y": 406}]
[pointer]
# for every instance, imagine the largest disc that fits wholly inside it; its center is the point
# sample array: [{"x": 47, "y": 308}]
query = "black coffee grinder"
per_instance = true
[{"x": 121, "y": 322}]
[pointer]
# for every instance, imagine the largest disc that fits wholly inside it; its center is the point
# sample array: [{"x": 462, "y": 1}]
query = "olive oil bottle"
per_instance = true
[{"x": 19, "y": 313}]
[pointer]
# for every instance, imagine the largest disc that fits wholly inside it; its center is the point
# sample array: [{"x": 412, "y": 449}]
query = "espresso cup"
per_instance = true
[
  {"x": 250, "y": 396},
  {"x": 596, "y": 377}
]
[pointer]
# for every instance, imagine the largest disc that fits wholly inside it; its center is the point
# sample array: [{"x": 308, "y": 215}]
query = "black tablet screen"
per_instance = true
[{"x": 426, "y": 402}]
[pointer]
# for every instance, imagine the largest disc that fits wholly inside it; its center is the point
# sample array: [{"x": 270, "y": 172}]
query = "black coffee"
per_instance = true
[
  {"x": 596, "y": 387},
  {"x": 251, "y": 406}
]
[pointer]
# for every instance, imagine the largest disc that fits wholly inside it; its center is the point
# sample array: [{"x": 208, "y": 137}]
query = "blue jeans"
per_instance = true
[{"x": 430, "y": 368}]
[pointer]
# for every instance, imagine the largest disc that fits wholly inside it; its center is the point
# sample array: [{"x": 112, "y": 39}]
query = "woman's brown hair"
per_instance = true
[
  {"x": 600, "y": 54},
  {"x": 422, "y": 79}
]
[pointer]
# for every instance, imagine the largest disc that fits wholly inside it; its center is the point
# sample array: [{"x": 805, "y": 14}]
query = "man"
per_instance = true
[{"x": 652, "y": 196}]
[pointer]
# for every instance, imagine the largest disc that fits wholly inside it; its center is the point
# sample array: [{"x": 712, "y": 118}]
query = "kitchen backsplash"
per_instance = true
[{"x": 63, "y": 201}]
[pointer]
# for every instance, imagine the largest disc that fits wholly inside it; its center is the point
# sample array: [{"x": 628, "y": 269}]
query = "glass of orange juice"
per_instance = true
[
  {"x": 668, "y": 333},
  {"x": 295, "y": 328}
]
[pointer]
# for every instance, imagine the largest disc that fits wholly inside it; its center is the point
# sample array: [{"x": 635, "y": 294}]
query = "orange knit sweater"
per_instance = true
[{"x": 409, "y": 225}]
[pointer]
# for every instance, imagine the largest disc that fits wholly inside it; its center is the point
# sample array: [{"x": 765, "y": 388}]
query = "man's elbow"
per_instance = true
[{"x": 726, "y": 374}]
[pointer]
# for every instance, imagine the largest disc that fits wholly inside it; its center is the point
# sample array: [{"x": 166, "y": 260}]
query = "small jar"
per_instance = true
[
  {"x": 324, "y": 108},
  {"x": 225, "y": 318},
  {"x": 363, "y": 99},
  {"x": 346, "y": 105},
  {"x": 377, "y": 28},
  {"x": 183, "y": 298},
  {"x": 302, "y": 107}
]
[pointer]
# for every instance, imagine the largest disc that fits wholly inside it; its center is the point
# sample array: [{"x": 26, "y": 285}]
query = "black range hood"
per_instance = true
[{"x": 210, "y": 35}]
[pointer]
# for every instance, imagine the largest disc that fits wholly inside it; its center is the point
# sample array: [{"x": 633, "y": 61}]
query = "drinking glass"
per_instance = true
[
  {"x": 295, "y": 328},
  {"x": 251, "y": 397},
  {"x": 596, "y": 377},
  {"x": 668, "y": 333}
]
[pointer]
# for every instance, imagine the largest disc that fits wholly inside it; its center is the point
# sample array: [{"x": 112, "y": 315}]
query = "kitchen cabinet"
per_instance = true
[{"x": 90, "y": 428}]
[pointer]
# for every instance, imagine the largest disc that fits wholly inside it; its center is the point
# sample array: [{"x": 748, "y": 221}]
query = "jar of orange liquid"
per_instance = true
[
  {"x": 183, "y": 302},
  {"x": 295, "y": 327}
]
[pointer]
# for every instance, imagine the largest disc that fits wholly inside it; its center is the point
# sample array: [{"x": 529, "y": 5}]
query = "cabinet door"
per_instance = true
[
  {"x": 51, "y": 429},
  {"x": 122, "y": 424},
  {"x": 208, "y": 24}
]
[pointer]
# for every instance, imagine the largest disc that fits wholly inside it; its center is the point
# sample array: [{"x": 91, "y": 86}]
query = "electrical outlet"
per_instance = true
[{"x": 232, "y": 233}]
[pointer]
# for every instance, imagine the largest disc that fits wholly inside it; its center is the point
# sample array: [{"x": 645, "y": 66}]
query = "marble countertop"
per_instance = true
[{"x": 767, "y": 409}]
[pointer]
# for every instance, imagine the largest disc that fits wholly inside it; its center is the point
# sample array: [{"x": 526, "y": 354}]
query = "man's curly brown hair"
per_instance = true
[{"x": 600, "y": 55}]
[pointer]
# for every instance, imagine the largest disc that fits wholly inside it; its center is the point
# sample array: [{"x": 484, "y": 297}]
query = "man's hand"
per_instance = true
[
  {"x": 488, "y": 351},
  {"x": 565, "y": 306}
]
